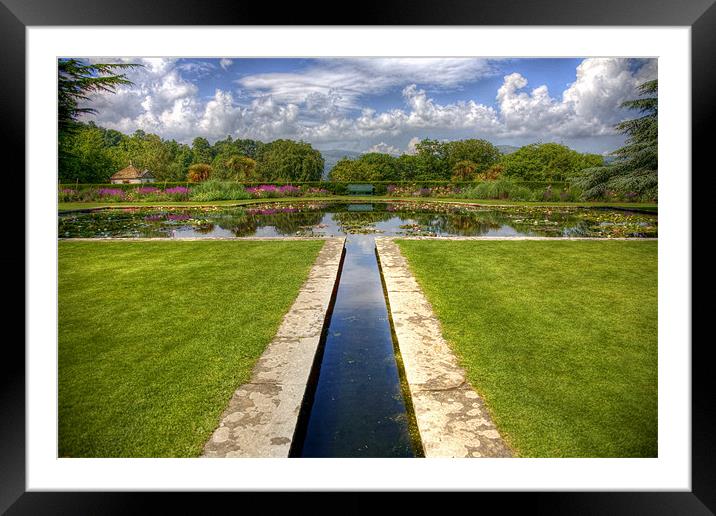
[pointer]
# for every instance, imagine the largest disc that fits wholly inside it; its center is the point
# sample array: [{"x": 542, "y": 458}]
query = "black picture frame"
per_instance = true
[{"x": 16, "y": 15}]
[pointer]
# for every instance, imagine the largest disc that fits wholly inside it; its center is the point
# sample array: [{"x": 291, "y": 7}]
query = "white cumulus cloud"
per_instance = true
[
  {"x": 384, "y": 148},
  {"x": 325, "y": 103}
]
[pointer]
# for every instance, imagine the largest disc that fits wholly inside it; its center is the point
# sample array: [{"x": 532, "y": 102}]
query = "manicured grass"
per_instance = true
[
  {"x": 154, "y": 337},
  {"x": 559, "y": 337},
  {"x": 65, "y": 206}
]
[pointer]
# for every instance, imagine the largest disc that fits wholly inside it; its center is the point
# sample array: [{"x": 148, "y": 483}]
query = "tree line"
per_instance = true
[
  {"x": 91, "y": 154},
  {"x": 468, "y": 160}
]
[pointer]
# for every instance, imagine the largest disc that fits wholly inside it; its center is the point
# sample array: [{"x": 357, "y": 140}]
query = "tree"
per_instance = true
[
  {"x": 201, "y": 151},
  {"x": 492, "y": 173},
  {"x": 481, "y": 153},
  {"x": 464, "y": 170},
  {"x": 199, "y": 172},
  {"x": 431, "y": 160},
  {"x": 287, "y": 160},
  {"x": 383, "y": 167},
  {"x": 244, "y": 168},
  {"x": 635, "y": 170},
  {"x": 407, "y": 166},
  {"x": 547, "y": 162},
  {"x": 248, "y": 147},
  {"x": 76, "y": 81},
  {"x": 353, "y": 170},
  {"x": 232, "y": 166},
  {"x": 85, "y": 157}
]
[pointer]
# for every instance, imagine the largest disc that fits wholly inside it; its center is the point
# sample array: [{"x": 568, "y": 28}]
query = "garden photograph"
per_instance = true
[{"x": 357, "y": 257}]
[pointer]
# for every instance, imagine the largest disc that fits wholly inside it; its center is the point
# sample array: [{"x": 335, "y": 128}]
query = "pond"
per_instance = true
[{"x": 338, "y": 219}]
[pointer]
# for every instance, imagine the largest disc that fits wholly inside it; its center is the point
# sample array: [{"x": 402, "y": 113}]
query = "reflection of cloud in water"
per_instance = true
[{"x": 365, "y": 243}]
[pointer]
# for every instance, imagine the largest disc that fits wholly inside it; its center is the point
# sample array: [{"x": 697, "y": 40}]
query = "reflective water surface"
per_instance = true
[{"x": 337, "y": 219}]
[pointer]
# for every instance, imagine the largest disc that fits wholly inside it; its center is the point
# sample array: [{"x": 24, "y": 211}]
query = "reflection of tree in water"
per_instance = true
[
  {"x": 286, "y": 221},
  {"x": 358, "y": 217},
  {"x": 237, "y": 221},
  {"x": 465, "y": 224},
  {"x": 204, "y": 228},
  {"x": 454, "y": 223},
  {"x": 289, "y": 223}
]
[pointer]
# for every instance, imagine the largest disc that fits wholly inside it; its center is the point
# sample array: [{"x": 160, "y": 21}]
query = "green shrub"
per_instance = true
[
  {"x": 218, "y": 191},
  {"x": 499, "y": 189}
]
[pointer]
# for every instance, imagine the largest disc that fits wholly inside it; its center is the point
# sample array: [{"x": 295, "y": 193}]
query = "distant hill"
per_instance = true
[
  {"x": 507, "y": 149},
  {"x": 331, "y": 157}
]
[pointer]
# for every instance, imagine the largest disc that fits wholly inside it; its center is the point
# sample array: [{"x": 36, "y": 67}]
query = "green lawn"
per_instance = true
[
  {"x": 65, "y": 206},
  {"x": 559, "y": 337},
  {"x": 154, "y": 337}
]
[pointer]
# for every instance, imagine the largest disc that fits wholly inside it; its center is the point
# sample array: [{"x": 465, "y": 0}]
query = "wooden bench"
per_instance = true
[{"x": 360, "y": 189}]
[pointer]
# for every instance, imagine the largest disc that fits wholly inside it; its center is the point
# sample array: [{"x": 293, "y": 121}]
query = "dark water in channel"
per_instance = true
[
  {"x": 336, "y": 219},
  {"x": 358, "y": 408}
]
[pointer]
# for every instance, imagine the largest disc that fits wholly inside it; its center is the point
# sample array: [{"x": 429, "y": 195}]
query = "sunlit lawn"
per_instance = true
[
  {"x": 155, "y": 336},
  {"x": 559, "y": 337}
]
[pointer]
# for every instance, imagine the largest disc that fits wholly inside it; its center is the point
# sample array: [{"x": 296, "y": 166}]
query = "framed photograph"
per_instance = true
[{"x": 420, "y": 252}]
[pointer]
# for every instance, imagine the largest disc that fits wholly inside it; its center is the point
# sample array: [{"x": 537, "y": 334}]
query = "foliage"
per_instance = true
[
  {"x": 464, "y": 170},
  {"x": 492, "y": 173},
  {"x": 232, "y": 166},
  {"x": 411, "y": 190},
  {"x": 77, "y": 80},
  {"x": 198, "y": 172},
  {"x": 213, "y": 190},
  {"x": 465, "y": 160},
  {"x": 85, "y": 155},
  {"x": 480, "y": 152},
  {"x": 547, "y": 162},
  {"x": 634, "y": 173},
  {"x": 91, "y": 154},
  {"x": 369, "y": 167},
  {"x": 286, "y": 160},
  {"x": 123, "y": 193},
  {"x": 503, "y": 188},
  {"x": 431, "y": 161}
]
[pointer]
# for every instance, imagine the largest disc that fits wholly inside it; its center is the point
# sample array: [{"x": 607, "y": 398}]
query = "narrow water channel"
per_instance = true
[{"x": 358, "y": 408}]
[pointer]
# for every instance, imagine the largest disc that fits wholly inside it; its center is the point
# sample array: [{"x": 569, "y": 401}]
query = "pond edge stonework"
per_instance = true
[
  {"x": 451, "y": 417},
  {"x": 261, "y": 417}
]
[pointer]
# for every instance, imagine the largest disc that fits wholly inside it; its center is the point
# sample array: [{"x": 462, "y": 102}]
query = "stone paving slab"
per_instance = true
[
  {"x": 260, "y": 420},
  {"x": 452, "y": 418}
]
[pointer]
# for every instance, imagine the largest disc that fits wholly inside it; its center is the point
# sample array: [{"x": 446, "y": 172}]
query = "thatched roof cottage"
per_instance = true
[{"x": 132, "y": 175}]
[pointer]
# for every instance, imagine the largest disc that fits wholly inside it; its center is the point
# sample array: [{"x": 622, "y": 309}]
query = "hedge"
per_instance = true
[{"x": 335, "y": 187}]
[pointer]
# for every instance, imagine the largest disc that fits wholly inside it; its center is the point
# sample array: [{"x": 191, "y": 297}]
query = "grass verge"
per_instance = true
[
  {"x": 154, "y": 337},
  {"x": 559, "y": 337}
]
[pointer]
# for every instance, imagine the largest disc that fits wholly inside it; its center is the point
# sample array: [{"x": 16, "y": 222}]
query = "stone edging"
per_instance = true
[
  {"x": 261, "y": 418},
  {"x": 451, "y": 417}
]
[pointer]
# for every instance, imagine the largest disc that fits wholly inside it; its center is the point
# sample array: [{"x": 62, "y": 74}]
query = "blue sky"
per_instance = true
[{"x": 379, "y": 104}]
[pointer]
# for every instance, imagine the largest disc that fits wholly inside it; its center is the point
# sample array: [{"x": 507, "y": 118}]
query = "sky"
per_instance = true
[{"x": 378, "y": 104}]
